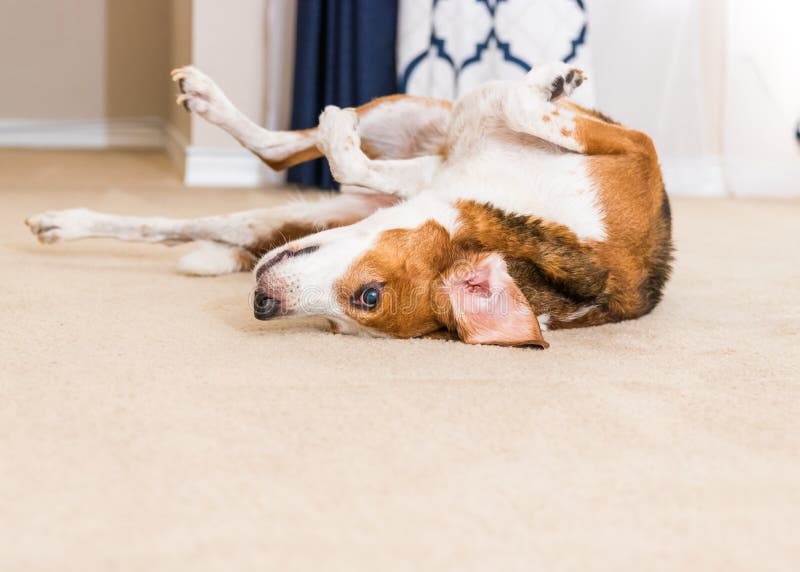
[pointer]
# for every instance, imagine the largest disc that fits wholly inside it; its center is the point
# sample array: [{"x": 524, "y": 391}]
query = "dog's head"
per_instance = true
[{"x": 377, "y": 278}]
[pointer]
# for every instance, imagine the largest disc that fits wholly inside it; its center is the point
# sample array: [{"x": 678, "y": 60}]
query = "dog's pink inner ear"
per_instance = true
[{"x": 489, "y": 308}]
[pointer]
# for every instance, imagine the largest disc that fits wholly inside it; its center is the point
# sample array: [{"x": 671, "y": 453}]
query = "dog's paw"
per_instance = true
[
  {"x": 200, "y": 95},
  {"x": 53, "y": 226},
  {"x": 556, "y": 80},
  {"x": 338, "y": 139},
  {"x": 338, "y": 126}
]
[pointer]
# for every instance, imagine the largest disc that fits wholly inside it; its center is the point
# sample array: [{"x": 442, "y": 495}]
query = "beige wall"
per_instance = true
[
  {"x": 52, "y": 59},
  {"x": 136, "y": 57},
  {"x": 233, "y": 53},
  {"x": 96, "y": 59},
  {"x": 180, "y": 54},
  {"x": 84, "y": 59}
]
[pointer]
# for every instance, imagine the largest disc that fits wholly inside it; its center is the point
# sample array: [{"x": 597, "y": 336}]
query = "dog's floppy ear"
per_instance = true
[{"x": 486, "y": 306}]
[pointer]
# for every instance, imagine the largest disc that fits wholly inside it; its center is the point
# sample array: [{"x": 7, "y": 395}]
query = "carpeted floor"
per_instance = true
[{"x": 147, "y": 422}]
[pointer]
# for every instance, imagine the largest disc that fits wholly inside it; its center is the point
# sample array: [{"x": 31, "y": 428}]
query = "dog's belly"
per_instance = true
[{"x": 551, "y": 185}]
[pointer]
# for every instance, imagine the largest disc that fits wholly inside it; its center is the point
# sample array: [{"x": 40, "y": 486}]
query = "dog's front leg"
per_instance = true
[
  {"x": 73, "y": 224},
  {"x": 240, "y": 238},
  {"x": 339, "y": 140},
  {"x": 201, "y": 95}
]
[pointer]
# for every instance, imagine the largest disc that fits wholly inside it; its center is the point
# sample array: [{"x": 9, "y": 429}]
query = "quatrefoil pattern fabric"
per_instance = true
[{"x": 448, "y": 47}]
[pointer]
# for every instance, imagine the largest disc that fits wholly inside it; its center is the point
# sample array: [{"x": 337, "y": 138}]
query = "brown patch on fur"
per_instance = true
[
  {"x": 281, "y": 235},
  {"x": 308, "y": 154},
  {"x": 638, "y": 250},
  {"x": 546, "y": 119},
  {"x": 288, "y": 232},
  {"x": 566, "y": 132},
  {"x": 600, "y": 138},
  {"x": 408, "y": 263},
  {"x": 602, "y": 282},
  {"x": 245, "y": 260},
  {"x": 592, "y": 113},
  {"x": 638, "y": 225}
]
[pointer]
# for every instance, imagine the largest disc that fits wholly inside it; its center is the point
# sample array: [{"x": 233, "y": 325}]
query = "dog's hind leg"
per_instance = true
[
  {"x": 247, "y": 234},
  {"x": 528, "y": 106}
]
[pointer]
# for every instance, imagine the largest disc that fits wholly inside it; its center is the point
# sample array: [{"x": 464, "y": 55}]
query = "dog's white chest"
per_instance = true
[{"x": 553, "y": 186}]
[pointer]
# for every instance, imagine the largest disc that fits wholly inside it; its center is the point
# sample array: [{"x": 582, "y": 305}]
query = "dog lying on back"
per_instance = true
[{"x": 490, "y": 219}]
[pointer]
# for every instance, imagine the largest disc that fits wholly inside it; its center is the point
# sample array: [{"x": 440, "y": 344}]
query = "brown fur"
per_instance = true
[
  {"x": 245, "y": 260},
  {"x": 409, "y": 263},
  {"x": 289, "y": 232}
]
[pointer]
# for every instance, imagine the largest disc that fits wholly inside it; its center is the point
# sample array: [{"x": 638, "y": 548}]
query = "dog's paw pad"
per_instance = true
[
  {"x": 556, "y": 80},
  {"x": 564, "y": 85}
]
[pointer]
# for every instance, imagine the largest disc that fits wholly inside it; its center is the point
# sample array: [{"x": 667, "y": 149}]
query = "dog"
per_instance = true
[{"x": 490, "y": 219}]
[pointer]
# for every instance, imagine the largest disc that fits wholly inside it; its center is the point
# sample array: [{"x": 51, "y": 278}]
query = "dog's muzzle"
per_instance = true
[{"x": 265, "y": 307}]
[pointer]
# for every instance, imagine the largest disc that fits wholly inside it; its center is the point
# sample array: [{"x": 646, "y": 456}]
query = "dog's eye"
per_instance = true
[{"x": 368, "y": 297}]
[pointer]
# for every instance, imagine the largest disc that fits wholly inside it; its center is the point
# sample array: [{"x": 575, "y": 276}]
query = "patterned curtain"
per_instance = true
[
  {"x": 447, "y": 47},
  {"x": 345, "y": 56}
]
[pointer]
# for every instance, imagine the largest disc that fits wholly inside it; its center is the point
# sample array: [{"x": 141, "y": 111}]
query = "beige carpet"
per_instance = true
[{"x": 147, "y": 422}]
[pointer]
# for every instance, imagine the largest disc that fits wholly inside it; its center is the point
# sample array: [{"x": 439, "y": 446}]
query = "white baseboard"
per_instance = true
[
  {"x": 758, "y": 177},
  {"x": 201, "y": 166},
  {"x": 223, "y": 167},
  {"x": 82, "y": 134}
]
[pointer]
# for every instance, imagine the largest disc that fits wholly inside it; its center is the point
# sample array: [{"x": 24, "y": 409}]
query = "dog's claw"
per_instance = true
[{"x": 199, "y": 94}]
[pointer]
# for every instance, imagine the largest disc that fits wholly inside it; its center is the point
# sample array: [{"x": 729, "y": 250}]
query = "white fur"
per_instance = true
[
  {"x": 212, "y": 259},
  {"x": 544, "y": 322},
  {"x": 485, "y": 164},
  {"x": 579, "y": 313},
  {"x": 73, "y": 224},
  {"x": 394, "y": 127},
  {"x": 339, "y": 139}
]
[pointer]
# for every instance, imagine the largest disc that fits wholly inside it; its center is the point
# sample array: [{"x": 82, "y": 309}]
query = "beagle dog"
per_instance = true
[{"x": 489, "y": 219}]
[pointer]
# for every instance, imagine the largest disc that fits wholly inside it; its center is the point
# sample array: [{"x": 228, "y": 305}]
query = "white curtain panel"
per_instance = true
[
  {"x": 659, "y": 69},
  {"x": 448, "y": 47}
]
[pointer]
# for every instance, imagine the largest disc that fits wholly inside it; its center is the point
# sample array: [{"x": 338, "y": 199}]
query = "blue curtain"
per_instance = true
[{"x": 345, "y": 56}]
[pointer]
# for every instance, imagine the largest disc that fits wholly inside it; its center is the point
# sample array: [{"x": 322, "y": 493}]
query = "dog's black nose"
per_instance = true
[{"x": 265, "y": 307}]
